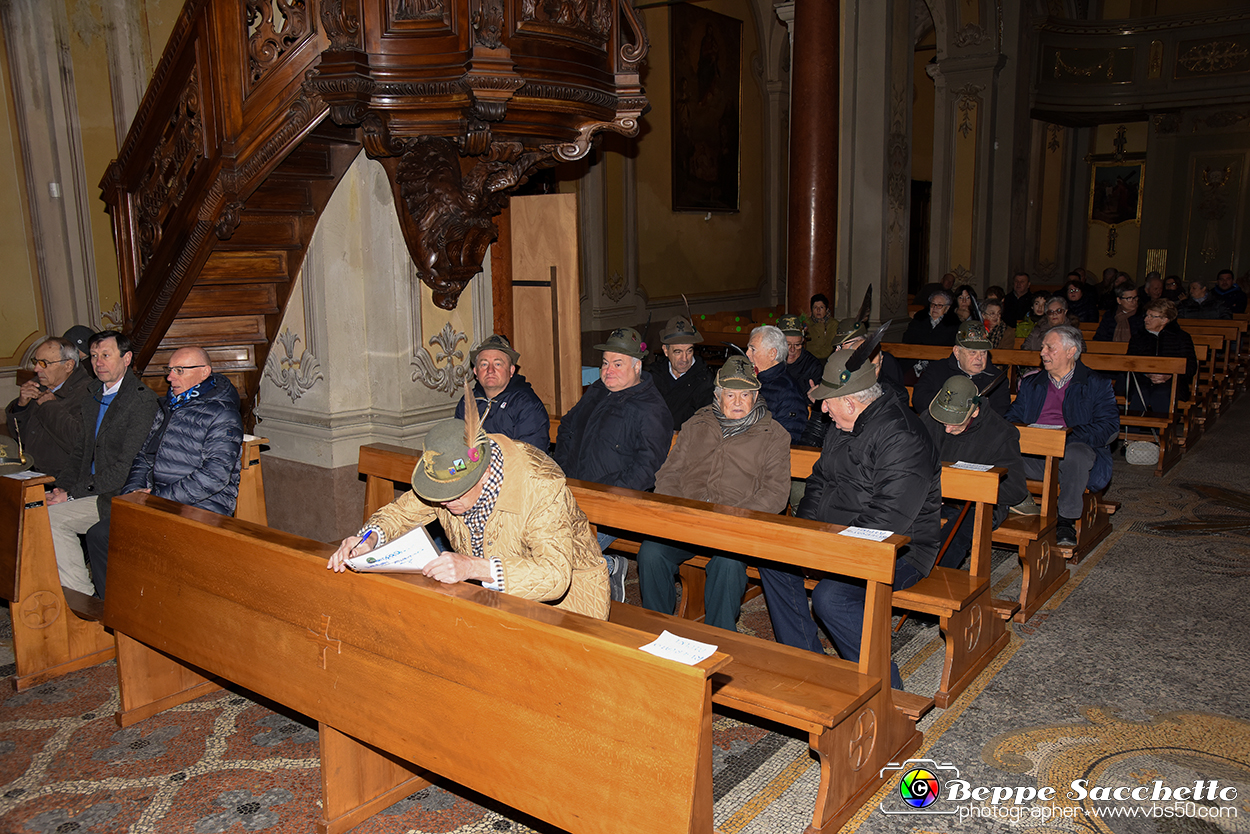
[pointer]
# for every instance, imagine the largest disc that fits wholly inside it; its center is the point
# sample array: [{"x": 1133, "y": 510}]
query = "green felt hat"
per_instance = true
[
  {"x": 850, "y": 329},
  {"x": 494, "y": 342},
  {"x": 737, "y": 374},
  {"x": 624, "y": 340},
  {"x": 679, "y": 331},
  {"x": 972, "y": 336},
  {"x": 450, "y": 466},
  {"x": 790, "y": 325},
  {"x": 955, "y": 401}
]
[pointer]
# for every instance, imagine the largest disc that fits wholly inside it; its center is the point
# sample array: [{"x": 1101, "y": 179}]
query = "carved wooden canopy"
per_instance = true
[{"x": 463, "y": 100}]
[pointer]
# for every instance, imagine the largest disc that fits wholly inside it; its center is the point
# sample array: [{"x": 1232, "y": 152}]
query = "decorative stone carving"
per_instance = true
[
  {"x": 1216, "y": 56},
  {"x": 968, "y": 98},
  {"x": 1062, "y": 67},
  {"x": 418, "y": 10},
  {"x": 1052, "y": 142},
  {"x": 450, "y": 377},
  {"x": 270, "y": 37},
  {"x": 1212, "y": 208},
  {"x": 615, "y": 286},
  {"x": 294, "y": 376},
  {"x": 1225, "y": 118},
  {"x": 1166, "y": 122},
  {"x": 969, "y": 35},
  {"x": 114, "y": 317},
  {"x": 164, "y": 181},
  {"x": 446, "y": 216}
]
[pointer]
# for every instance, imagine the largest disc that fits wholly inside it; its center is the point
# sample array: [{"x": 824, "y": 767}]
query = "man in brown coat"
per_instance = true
[
  {"x": 509, "y": 515},
  {"x": 731, "y": 452}
]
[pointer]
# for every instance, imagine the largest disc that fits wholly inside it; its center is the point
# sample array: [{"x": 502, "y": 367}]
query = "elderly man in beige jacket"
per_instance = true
[{"x": 508, "y": 513}]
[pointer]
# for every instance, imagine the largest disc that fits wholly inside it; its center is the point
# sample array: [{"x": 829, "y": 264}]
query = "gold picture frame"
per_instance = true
[{"x": 1115, "y": 192}]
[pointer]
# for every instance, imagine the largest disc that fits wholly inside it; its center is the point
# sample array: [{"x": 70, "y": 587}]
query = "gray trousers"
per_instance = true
[
  {"x": 1074, "y": 468},
  {"x": 68, "y": 520}
]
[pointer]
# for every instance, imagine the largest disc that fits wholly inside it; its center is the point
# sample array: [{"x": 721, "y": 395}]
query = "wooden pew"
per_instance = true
[
  {"x": 57, "y": 630},
  {"x": 1044, "y": 570},
  {"x": 549, "y": 712},
  {"x": 856, "y": 723}
]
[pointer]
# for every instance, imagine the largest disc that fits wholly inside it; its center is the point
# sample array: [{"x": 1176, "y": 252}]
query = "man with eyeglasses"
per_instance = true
[
  {"x": 191, "y": 454},
  {"x": 1125, "y": 321},
  {"x": 47, "y": 414},
  {"x": 1056, "y": 315},
  {"x": 115, "y": 419},
  {"x": 935, "y": 325}
]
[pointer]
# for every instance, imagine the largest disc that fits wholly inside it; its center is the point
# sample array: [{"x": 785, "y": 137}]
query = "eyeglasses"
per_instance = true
[
  {"x": 44, "y": 363},
  {"x": 1055, "y": 312},
  {"x": 179, "y": 370},
  {"x": 1153, "y": 315},
  {"x": 936, "y": 306}
]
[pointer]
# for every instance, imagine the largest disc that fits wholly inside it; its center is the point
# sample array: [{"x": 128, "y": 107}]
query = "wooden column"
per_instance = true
[
  {"x": 813, "y": 215},
  {"x": 501, "y": 276}
]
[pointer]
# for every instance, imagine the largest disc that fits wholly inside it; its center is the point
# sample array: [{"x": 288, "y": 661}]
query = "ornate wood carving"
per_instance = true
[
  {"x": 417, "y": 10},
  {"x": 488, "y": 23},
  {"x": 273, "y": 28},
  {"x": 589, "y": 20},
  {"x": 446, "y": 214},
  {"x": 341, "y": 25},
  {"x": 164, "y": 181}
]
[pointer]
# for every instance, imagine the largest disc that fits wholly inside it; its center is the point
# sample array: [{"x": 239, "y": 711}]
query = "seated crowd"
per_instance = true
[{"x": 498, "y": 487}]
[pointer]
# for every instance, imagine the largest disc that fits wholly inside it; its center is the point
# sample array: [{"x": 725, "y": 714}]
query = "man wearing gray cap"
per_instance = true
[
  {"x": 508, "y": 513},
  {"x": 619, "y": 432},
  {"x": 970, "y": 357},
  {"x": 732, "y": 452},
  {"x": 684, "y": 380},
  {"x": 505, "y": 401},
  {"x": 878, "y": 469},
  {"x": 964, "y": 431}
]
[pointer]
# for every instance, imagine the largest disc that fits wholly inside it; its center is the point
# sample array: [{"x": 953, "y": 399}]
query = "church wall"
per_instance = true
[
  {"x": 1128, "y": 240},
  {"x": 689, "y": 251},
  {"x": 922, "y": 103}
]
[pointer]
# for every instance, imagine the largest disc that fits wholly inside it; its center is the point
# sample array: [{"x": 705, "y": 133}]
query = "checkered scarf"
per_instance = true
[
  {"x": 729, "y": 428},
  {"x": 475, "y": 519}
]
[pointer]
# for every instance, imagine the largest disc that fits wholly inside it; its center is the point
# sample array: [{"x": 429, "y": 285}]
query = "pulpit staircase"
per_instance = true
[{"x": 257, "y": 109}]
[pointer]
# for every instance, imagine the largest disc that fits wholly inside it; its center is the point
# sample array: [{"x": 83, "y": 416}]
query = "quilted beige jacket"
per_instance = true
[{"x": 536, "y": 530}]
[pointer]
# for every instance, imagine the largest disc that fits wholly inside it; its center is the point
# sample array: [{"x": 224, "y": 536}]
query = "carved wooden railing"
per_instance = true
[
  {"x": 460, "y": 100},
  {"x": 1091, "y": 72}
]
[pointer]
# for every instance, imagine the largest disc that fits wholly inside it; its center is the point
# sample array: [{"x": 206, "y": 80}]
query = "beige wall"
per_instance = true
[
  {"x": 922, "y": 103},
  {"x": 22, "y": 310},
  {"x": 1128, "y": 235},
  {"x": 692, "y": 252}
]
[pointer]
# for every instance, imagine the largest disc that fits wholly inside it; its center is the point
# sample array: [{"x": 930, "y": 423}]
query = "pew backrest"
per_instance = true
[{"x": 546, "y": 711}]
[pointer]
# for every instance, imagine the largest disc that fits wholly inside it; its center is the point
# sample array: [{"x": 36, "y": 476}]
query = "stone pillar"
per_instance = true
[
  {"x": 875, "y": 161},
  {"x": 813, "y": 198},
  {"x": 61, "y": 195}
]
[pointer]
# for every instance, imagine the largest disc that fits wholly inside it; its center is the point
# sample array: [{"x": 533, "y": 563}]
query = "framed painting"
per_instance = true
[
  {"x": 706, "y": 55},
  {"x": 1115, "y": 192}
]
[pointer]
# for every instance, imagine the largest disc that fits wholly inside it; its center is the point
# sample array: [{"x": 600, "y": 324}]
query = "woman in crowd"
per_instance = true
[
  {"x": 1161, "y": 336},
  {"x": 1081, "y": 304},
  {"x": 1000, "y": 335},
  {"x": 1172, "y": 290},
  {"x": 1122, "y": 323},
  {"x": 966, "y": 304}
]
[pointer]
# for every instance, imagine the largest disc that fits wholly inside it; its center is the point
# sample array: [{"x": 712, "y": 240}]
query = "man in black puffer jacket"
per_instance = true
[
  {"x": 192, "y": 453},
  {"x": 877, "y": 469},
  {"x": 683, "y": 379},
  {"x": 619, "y": 432}
]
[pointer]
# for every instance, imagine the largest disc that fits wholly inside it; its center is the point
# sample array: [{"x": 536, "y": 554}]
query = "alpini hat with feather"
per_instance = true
[
  {"x": 679, "y": 331},
  {"x": 457, "y": 455},
  {"x": 850, "y": 371}
]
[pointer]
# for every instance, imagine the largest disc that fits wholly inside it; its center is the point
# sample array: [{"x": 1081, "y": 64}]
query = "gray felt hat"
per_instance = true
[
  {"x": 737, "y": 374},
  {"x": 679, "y": 331},
  {"x": 449, "y": 467},
  {"x": 851, "y": 329},
  {"x": 837, "y": 381}
]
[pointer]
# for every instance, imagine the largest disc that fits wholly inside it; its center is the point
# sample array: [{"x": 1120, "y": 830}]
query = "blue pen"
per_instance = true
[{"x": 363, "y": 539}]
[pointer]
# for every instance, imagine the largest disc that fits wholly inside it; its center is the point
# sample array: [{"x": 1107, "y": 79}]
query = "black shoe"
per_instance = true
[{"x": 1065, "y": 532}]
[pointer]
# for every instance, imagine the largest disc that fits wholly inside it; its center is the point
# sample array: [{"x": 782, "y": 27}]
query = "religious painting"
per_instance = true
[
  {"x": 706, "y": 53},
  {"x": 1115, "y": 192}
]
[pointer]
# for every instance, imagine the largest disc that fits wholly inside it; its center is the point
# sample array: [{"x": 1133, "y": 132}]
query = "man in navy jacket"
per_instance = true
[
  {"x": 506, "y": 402},
  {"x": 192, "y": 453},
  {"x": 1067, "y": 393}
]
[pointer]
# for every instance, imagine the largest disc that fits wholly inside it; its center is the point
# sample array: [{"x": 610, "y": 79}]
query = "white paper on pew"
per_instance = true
[
  {"x": 975, "y": 467},
  {"x": 24, "y": 476},
  {"x": 681, "y": 649},
  {"x": 865, "y": 533},
  {"x": 407, "y": 554}
]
